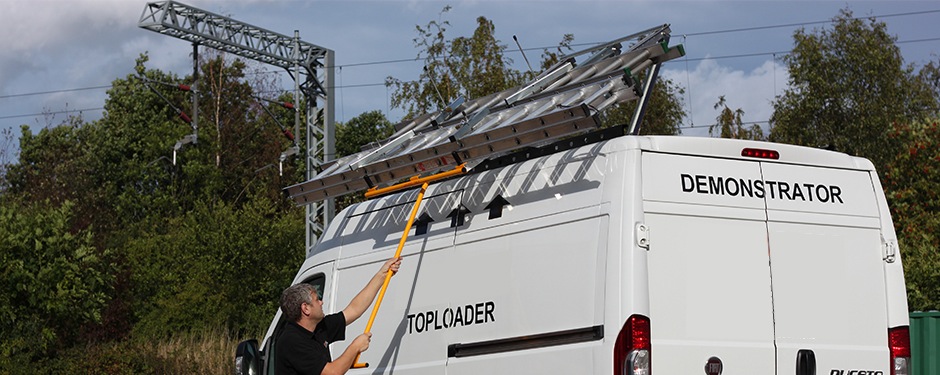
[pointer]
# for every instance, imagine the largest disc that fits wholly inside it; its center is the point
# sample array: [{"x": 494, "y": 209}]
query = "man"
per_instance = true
[{"x": 303, "y": 346}]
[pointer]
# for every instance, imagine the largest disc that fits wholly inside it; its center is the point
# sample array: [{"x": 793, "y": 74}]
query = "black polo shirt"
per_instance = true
[{"x": 300, "y": 351}]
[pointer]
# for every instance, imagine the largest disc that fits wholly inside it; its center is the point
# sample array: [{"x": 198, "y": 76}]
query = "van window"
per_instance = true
[{"x": 319, "y": 282}]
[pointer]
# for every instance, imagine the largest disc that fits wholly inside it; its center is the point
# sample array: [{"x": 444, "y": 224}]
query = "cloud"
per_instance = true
[
  {"x": 43, "y": 36},
  {"x": 752, "y": 91},
  {"x": 38, "y": 25}
]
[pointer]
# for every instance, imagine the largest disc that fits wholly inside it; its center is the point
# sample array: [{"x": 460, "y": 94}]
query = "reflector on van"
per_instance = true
[
  {"x": 899, "y": 342},
  {"x": 760, "y": 153},
  {"x": 632, "y": 348}
]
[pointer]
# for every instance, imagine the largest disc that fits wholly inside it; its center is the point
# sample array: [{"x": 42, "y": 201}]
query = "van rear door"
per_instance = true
[
  {"x": 709, "y": 275},
  {"x": 827, "y": 269},
  {"x": 760, "y": 267}
]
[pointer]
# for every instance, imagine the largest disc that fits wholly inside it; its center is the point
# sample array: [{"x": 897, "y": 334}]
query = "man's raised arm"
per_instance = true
[{"x": 361, "y": 302}]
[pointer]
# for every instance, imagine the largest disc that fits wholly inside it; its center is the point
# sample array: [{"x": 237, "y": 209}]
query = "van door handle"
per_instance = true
[{"x": 805, "y": 362}]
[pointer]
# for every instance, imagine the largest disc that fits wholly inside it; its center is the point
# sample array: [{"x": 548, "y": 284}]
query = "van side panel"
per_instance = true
[
  {"x": 542, "y": 277},
  {"x": 421, "y": 255},
  {"x": 543, "y": 281},
  {"x": 554, "y": 234},
  {"x": 894, "y": 271},
  {"x": 628, "y": 286},
  {"x": 369, "y": 236},
  {"x": 495, "y": 283}
]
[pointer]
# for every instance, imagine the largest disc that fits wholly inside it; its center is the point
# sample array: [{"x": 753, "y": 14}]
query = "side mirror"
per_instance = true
[{"x": 247, "y": 358}]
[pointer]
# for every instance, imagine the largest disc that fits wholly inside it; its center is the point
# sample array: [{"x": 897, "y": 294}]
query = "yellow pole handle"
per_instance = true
[{"x": 388, "y": 275}]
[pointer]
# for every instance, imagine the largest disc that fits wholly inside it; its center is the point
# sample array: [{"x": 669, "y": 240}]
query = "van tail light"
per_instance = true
[
  {"x": 899, "y": 342},
  {"x": 632, "y": 350},
  {"x": 760, "y": 153}
]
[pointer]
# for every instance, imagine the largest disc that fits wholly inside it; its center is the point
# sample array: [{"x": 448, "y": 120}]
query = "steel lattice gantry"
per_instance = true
[{"x": 225, "y": 34}]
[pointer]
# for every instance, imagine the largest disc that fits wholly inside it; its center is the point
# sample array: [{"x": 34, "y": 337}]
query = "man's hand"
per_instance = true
[
  {"x": 392, "y": 264},
  {"x": 361, "y": 343},
  {"x": 345, "y": 361},
  {"x": 361, "y": 301}
]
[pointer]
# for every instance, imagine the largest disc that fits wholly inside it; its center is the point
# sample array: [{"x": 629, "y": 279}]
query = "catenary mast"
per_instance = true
[{"x": 310, "y": 66}]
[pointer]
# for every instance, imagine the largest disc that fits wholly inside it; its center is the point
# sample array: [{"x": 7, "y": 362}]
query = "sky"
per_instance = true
[{"x": 60, "y": 56}]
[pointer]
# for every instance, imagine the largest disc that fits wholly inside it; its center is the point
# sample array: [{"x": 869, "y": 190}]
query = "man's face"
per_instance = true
[{"x": 315, "y": 309}]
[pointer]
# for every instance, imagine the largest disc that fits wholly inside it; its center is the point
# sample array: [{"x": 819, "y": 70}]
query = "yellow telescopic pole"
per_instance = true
[
  {"x": 388, "y": 275},
  {"x": 415, "y": 181}
]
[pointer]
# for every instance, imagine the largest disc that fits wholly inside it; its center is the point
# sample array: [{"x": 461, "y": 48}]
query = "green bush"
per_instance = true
[
  {"x": 215, "y": 266},
  {"x": 53, "y": 283}
]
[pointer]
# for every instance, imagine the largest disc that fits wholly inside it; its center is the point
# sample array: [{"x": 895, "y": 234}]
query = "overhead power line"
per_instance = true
[
  {"x": 396, "y": 61},
  {"x": 755, "y": 28},
  {"x": 359, "y": 85},
  {"x": 52, "y": 113},
  {"x": 712, "y": 32},
  {"x": 54, "y": 91},
  {"x": 692, "y": 126}
]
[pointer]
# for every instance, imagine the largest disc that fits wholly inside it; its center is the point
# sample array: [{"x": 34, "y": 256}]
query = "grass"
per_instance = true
[{"x": 209, "y": 351}]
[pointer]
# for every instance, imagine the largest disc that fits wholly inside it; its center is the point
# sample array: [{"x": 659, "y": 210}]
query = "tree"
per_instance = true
[
  {"x": 910, "y": 182},
  {"x": 850, "y": 91},
  {"x": 181, "y": 255},
  {"x": 664, "y": 113},
  {"x": 847, "y": 86},
  {"x": 114, "y": 173},
  {"x": 360, "y": 130},
  {"x": 54, "y": 283},
  {"x": 929, "y": 75},
  {"x": 117, "y": 177},
  {"x": 6, "y": 155},
  {"x": 50, "y": 168},
  {"x": 471, "y": 67},
  {"x": 475, "y": 67},
  {"x": 351, "y": 136},
  {"x": 730, "y": 124},
  {"x": 216, "y": 266}
]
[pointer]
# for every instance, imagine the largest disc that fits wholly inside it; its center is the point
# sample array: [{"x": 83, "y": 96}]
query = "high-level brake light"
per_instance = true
[
  {"x": 760, "y": 153},
  {"x": 899, "y": 343},
  {"x": 632, "y": 350}
]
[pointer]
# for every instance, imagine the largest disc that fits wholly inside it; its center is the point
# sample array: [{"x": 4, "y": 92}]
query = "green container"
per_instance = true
[{"x": 925, "y": 342}]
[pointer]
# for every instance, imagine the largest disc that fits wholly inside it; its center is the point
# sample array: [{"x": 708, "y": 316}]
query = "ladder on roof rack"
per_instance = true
[{"x": 562, "y": 101}]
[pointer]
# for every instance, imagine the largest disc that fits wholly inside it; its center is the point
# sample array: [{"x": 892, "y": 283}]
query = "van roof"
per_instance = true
[
  {"x": 692, "y": 146},
  {"x": 731, "y": 149},
  {"x": 679, "y": 145}
]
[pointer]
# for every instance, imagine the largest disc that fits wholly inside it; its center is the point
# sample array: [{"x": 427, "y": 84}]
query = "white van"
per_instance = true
[{"x": 633, "y": 255}]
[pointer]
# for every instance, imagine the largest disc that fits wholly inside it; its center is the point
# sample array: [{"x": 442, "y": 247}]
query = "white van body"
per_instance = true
[{"x": 739, "y": 263}]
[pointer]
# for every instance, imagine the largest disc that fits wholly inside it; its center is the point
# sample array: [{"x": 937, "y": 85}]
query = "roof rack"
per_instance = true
[{"x": 563, "y": 100}]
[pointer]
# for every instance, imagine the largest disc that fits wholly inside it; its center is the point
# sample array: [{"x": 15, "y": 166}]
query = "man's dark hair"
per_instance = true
[{"x": 293, "y": 297}]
